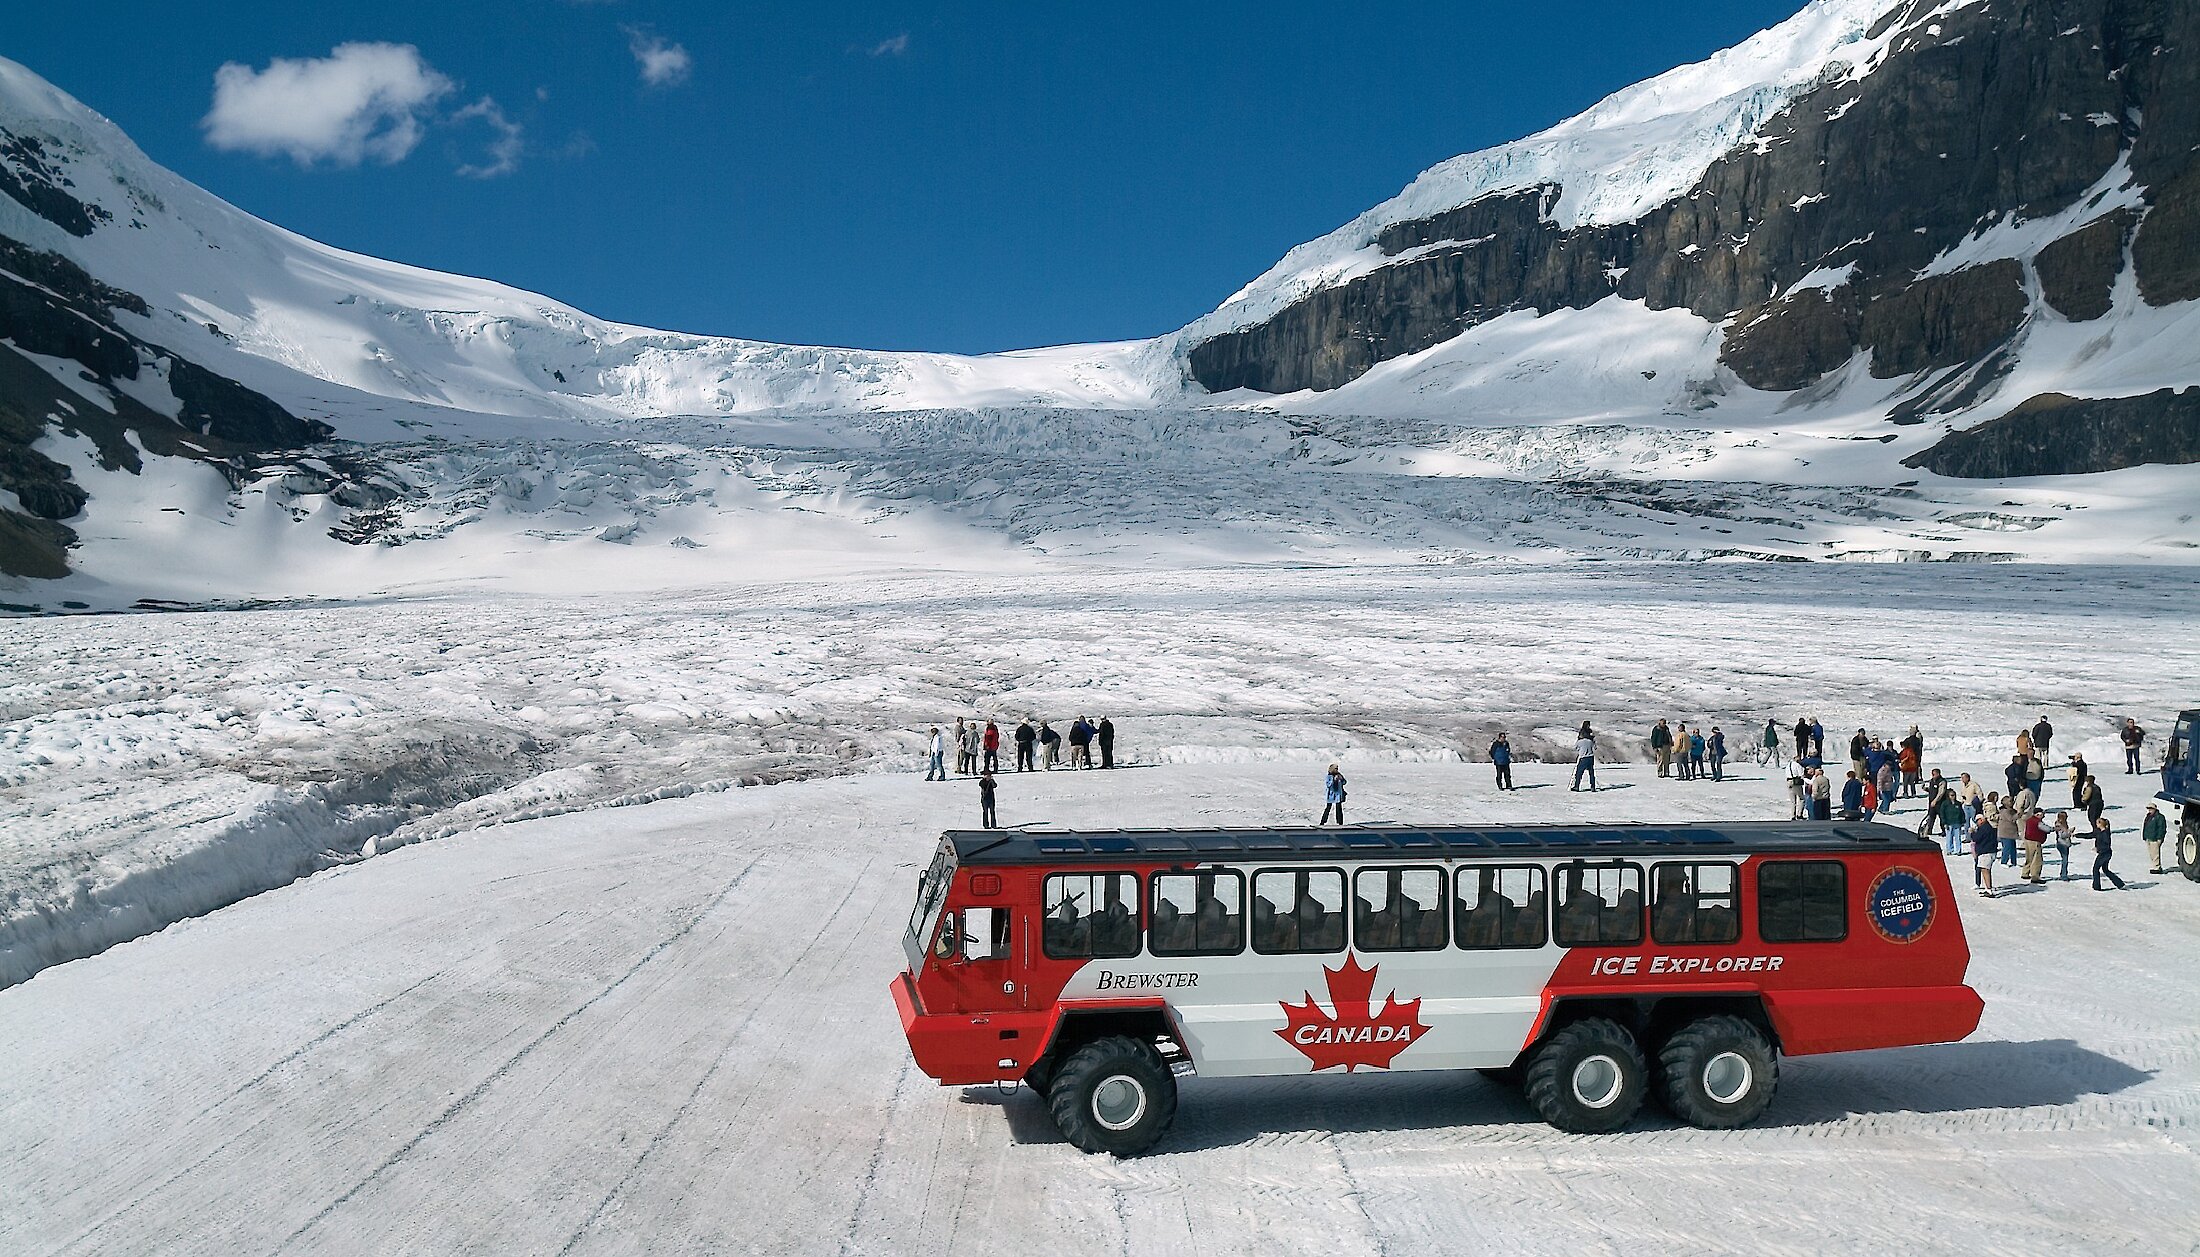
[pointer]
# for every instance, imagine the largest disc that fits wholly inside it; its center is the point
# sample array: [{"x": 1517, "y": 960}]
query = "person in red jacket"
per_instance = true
[
  {"x": 2033, "y": 841},
  {"x": 992, "y": 747}
]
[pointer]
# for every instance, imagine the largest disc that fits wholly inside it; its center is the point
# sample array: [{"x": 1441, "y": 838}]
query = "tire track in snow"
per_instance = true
[
  {"x": 509, "y": 1063},
  {"x": 688, "y": 1103}
]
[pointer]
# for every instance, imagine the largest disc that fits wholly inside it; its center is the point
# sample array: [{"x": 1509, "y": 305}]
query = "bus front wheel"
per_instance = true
[{"x": 1114, "y": 1095}]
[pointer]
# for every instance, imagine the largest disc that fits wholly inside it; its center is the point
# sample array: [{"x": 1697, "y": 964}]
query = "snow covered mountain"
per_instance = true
[{"x": 1716, "y": 314}]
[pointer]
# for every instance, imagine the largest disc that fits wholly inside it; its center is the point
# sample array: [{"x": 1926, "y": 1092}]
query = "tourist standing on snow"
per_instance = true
[
  {"x": 2007, "y": 825},
  {"x": 1983, "y": 844},
  {"x": 1889, "y": 784},
  {"x": 2089, "y": 798},
  {"x": 1952, "y": 822},
  {"x": 2078, "y": 778},
  {"x": 1911, "y": 760},
  {"x": 1696, "y": 753},
  {"x": 1051, "y": 742},
  {"x": 1821, "y": 794},
  {"x": 2132, "y": 735},
  {"x": 2062, "y": 838},
  {"x": 1934, "y": 789},
  {"x": 962, "y": 743},
  {"x": 2152, "y": 831},
  {"x": 1105, "y": 736},
  {"x": 986, "y": 816},
  {"x": 938, "y": 770},
  {"x": 1026, "y": 736},
  {"x": 1501, "y": 757},
  {"x": 1585, "y": 756},
  {"x": 1770, "y": 743},
  {"x": 2043, "y": 735},
  {"x": 2031, "y": 842},
  {"x": 1802, "y": 737},
  {"x": 1798, "y": 788},
  {"x": 2101, "y": 852},
  {"x": 1715, "y": 745},
  {"x": 2013, "y": 773},
  {"x": 1852, "y": 798},
  {"x": 973, "y": 746},
  {"x": 1859, "y": 747},
  {"x": 992, "y": 745},
  {"x": 1332, "y": 796},
  {"x": 1080, "y": 743},
  {"x": 1661, "y": 747}
]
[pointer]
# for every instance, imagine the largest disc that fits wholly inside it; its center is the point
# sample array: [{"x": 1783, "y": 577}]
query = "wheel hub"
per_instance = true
[
  {"x": 1118, "y": 1102},
  {"x": 1597, "y": 1081},
  {"x": 1727, "y": 1077}
]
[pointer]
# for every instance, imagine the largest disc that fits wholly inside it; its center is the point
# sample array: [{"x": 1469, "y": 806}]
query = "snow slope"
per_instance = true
[{"x": 666, "y": 1029}]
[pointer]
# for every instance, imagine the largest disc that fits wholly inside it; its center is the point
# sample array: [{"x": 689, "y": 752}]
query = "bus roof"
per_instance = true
[{"x": 1397, "y": 842}]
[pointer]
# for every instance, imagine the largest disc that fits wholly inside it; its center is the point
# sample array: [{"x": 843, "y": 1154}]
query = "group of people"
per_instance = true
[
  {"x": 1695, "y": 754},
  {"x": 977, "y": 748},
  {"x": 1881, "y": 770}
]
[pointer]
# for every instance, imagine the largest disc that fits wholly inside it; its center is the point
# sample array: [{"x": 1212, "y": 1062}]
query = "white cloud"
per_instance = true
[
  {"x": 363, "y": 100},
  {"x": 894, "y": 47},
  {"x": 504, "y": 150},
  {"x": 662, "y": 62}
]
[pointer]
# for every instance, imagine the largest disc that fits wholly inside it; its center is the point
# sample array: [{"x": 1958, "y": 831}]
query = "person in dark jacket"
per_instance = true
[
  {"x": 2078, "y": 778},
  {"x": 1818, "y": 740},
  {"x": 1661, "y": 747},
  {"x": 2089, "y": 798},
  {"x": 986, "y": 816},
  {"x": 1501, "y": 756},
  {"x": 1105, "y": 736},
  {"x": 2132, "y": 736},
  {"x": 2014, "y": 774},
  {"x": 2153, "y": 831},
  {"x": 2101, "y": 852},
  {"x": 1802, "y": 737},
  {"x": 1858, "y": 745},
  {"x": 1951, "y": 820},
  {"x": 1715, "y": 746},
  {"x": 1080, "y": 744},
  {"x": 2043, "y": 733},
  {"x": 1050, "y": 741},
  {"x": 1985, "y": 845},
  {"x": 1852, "y": 798},
  {"x": 1026, "y": 736}
]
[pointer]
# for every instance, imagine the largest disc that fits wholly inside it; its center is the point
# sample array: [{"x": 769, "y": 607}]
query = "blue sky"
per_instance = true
[{"x": 949, "y": 176}]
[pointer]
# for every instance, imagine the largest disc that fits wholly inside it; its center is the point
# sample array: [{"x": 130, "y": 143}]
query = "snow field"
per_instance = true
[
  {"x": 156, "y": 767},
  {"x": 666, "y": 1029}
]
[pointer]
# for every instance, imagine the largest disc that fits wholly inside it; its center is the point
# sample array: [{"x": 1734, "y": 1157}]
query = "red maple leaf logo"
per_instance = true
[{"x": 1353, "y": 1035}]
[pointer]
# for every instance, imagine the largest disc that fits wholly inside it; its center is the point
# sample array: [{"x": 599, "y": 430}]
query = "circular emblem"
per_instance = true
[{"x": 1901, "y": 905}]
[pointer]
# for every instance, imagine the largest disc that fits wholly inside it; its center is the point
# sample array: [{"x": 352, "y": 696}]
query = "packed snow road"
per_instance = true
[{"x": 666, "y": 1029}]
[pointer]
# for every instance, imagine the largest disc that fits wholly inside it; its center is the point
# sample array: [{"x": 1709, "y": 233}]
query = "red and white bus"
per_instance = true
[{"x": 1592, "y": 965}]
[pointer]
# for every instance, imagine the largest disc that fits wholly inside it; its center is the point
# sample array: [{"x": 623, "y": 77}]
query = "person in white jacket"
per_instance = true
[{"x": 938, "y": 770}]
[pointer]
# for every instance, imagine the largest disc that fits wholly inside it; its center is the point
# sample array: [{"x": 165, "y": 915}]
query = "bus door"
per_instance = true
[{"x": 984, "y": 962}]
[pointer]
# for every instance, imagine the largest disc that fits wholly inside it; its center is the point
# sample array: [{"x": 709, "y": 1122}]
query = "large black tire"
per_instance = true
[
  {"x": 2188, "y": 849},
  {"x": 1717, "y": 1073},
  {"x": 1588, "y": 1078},
  {"x": 1113, "y": 1095},
  {"x": 1040, "y": 1076}
]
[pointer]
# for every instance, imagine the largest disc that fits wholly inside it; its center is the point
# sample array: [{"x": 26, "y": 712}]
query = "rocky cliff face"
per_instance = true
[
  {"x": 127, "y": 395},
  {"x": 1831, "y": 233}
]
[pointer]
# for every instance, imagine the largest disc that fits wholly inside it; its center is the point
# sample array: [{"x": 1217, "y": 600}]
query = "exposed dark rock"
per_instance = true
[
  {"x": 1945, "y": 321},
  {"x": 2078, "y": 272},
  {"x": 2052, "y": 435},
  {"x": 2165, "y": 255},
  {"x": 1790, "y": 343},
  {"x": 30, "y": 176},
  {"x": 1980, "y": 115}
]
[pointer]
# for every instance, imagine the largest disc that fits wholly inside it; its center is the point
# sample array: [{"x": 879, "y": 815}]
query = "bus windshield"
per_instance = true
[{"x": 932, "y": 891}]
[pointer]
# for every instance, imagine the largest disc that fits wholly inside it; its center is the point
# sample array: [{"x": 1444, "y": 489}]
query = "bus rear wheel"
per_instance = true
[
  {"x": 1717, "y": 1073},
  {"x": 1588, "y": 1078},
  {"x": 1113, "y": 1095},
  {"x": 2188, "y": 849}
]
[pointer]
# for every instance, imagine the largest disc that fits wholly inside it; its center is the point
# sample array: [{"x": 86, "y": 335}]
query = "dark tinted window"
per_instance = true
[
  {"x": 1500, "y": 905},
  {"x": 1802, "y": 901},
  {"x": 1297, "y": 911},
  {"x": 1197, "y": 914},
  {"x": 1398, "y": 909},
  {"x": 1599, "y": 905},
  {"x": 1091, "y": 914},
  {"x": 1694, "y": 903}
]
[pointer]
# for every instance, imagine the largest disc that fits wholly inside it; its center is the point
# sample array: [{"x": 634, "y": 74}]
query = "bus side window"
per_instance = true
[
  {"x": 1802, "y": 901},
  {"x": 1694, "y": 903},
  {"x": 1297, "y": 911},
  {"x": 1500, "y": 905},
  {"x": 1090, "y": 914},
  {"x": 1599, "y": 905},
  {"x": 1198, "y": 914},
  {"x": 1398, "y": 909}
]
